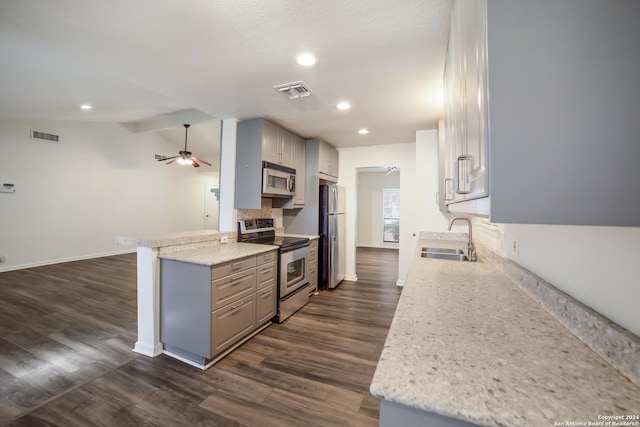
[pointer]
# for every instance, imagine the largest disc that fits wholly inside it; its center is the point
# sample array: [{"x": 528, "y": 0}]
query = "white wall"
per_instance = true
[
  {"x": 416, "y": 192},
  {"x": 369, "y": 207},
  {"x": 598, "y": 266},
  {"x": 74, "y": 197}
]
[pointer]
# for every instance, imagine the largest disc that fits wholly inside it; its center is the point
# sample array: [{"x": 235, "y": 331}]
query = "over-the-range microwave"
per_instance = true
[{"x": 278, "y": 180}]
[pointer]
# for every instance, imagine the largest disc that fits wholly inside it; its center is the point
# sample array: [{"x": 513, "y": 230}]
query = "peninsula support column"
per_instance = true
[{"x": 148, "y": 302}]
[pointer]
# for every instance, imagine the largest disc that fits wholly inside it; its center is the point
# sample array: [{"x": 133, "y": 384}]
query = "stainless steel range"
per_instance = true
[{"x": 293, "y": 263}]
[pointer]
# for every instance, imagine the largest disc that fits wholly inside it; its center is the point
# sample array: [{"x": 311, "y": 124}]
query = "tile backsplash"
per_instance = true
[{"x": 266, "y": 211}]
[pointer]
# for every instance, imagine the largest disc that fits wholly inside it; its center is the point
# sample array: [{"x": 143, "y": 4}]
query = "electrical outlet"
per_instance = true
[
  {"x": 3, "y": 258},
  {"x": 515, "y": 247},
  {"x": 224, "y": 239}
]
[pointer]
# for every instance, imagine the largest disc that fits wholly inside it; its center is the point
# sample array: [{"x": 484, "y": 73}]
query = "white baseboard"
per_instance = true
[
  {"x": 399, "y": 282},
  {"x": 148, "y": 349},
  {"x": 353, "y": 278},
  {"x": 61, "y": 260}
]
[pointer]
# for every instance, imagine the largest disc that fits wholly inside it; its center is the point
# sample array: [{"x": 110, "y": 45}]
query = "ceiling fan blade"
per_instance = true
[
  {"x": 201, "y": 161},
  {"x": 171, "y": 161},
  {"x": 194, "y": 163},
  {"x": 167, "y": 158}
]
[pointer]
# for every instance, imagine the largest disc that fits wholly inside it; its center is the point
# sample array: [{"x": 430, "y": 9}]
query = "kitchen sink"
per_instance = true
[
  {"x": 444, "y": 253},
  {"x": 437, "y": 255},
  {"x": 443, "y": 250}
]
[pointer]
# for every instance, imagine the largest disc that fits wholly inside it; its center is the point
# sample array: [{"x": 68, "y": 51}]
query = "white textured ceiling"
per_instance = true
[{"x": 135, "y": 59}]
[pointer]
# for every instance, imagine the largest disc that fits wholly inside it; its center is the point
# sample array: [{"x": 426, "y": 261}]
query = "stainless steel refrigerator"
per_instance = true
[{"x": 331, "y": 249}]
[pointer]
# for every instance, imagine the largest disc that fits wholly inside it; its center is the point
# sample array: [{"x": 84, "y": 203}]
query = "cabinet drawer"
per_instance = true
[
  {"x": 232, "y": 322},
  {"x": 267, "y": 275},
  {"x": 218, "y": 271},
  {"x": 266, "y": 307},
  {"x": 231, "y": 288},
  {"x": 266, "y": 257}
]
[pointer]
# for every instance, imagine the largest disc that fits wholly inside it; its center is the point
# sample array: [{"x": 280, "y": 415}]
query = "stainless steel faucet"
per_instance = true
[{"x": 471, "y": 248}]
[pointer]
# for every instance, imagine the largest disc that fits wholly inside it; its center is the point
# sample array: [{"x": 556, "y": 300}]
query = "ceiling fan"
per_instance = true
[{"x": 184, "y": 157}]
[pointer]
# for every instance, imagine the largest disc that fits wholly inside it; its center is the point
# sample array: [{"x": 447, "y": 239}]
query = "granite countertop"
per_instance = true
[
  {"x": 170, "y": 239},
  {"x": 467, "y": 343},
  {"x": 218, "y": 254}
]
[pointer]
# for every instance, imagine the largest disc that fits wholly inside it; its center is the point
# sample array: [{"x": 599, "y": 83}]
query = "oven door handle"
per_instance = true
[{"x": 296, "y": 246}]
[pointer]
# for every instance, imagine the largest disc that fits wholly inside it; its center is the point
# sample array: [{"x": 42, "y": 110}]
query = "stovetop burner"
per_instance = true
[{"x": 263, "y": 231}]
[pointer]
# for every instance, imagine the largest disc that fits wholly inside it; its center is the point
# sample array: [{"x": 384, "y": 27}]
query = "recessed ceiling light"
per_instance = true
[
  {"x": 344, "y": 105},
  {"x": 86, "y": 107},
  {"x": 306, "y": 59},
  {"x": 363, "y": 131}
]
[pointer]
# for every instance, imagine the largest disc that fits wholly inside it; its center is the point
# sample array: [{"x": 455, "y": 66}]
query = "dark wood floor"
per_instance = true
[{"x": 66, "y": 333}]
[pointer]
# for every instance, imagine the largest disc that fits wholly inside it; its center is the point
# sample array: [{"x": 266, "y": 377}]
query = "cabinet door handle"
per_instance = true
[
  {"x": 448, "y": 196},
  {"x": 236, "y": 266},
  {"x": 233, "y": 307},
  {"x": 465, "y": 173},
  {"x": 237, "y": 280},
  {"x": 266, "y": 292}
]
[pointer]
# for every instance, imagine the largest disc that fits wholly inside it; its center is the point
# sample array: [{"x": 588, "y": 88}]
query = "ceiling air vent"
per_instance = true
[
  {"x": 294, "y": 90},
  {"x": 44, "y": 136}
]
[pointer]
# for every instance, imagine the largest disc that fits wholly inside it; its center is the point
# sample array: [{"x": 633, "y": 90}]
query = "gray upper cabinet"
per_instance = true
[
  {"x": 542, "y": 98},
  {"x": 277, "y": 145},
  {"x": 258, "y": 140},
  {"x": 300, "y": 167},
  {"x": 328, "y": 166}
]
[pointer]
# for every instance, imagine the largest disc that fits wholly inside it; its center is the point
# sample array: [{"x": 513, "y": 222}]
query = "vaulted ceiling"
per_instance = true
[{"x": 132, "y": 60}]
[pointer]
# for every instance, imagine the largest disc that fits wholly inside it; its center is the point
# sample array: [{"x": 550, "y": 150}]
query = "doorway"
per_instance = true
[
  {"x": 378, "y": 207},
  {"x": 211, "y": 206},
  {"x": 377, "y": 224}
]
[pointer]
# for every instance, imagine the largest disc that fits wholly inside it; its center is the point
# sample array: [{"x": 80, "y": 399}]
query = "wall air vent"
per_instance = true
[
  {"x": 294, "y": 90},
  {"x": 44, "y": 136}
]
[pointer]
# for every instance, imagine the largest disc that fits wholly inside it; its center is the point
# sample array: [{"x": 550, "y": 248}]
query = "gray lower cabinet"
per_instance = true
[
  {"x": 394, "y": 414},
  {"x": 313, "y": 266},
  {"x": 232, "y": 322},
  {"x": 206, "y": 311},
  {"x": 266, "y": 296}
]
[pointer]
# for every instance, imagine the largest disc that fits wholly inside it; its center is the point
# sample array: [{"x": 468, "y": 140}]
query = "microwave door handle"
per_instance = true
[{"x": 291, "y": 183}]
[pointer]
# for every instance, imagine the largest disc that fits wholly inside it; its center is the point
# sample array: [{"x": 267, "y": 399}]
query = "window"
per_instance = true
[{"x": 391, "y": 215}]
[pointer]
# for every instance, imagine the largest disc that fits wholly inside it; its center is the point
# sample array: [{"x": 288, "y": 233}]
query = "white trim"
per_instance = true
[
  {"x": 228, "y": 139},
  {"x": 399, "y": 282},
  {"x": 350, "y": 278},
  {"x": 62, "y": 260},
  {"x": 148, "y": 302},
  {"x": 148, "y": 350}
]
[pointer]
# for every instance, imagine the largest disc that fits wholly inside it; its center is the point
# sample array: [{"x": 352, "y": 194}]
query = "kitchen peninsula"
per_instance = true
[
  {"x": 467, "y": 345},
  {"x": 149, "y": 250}
]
